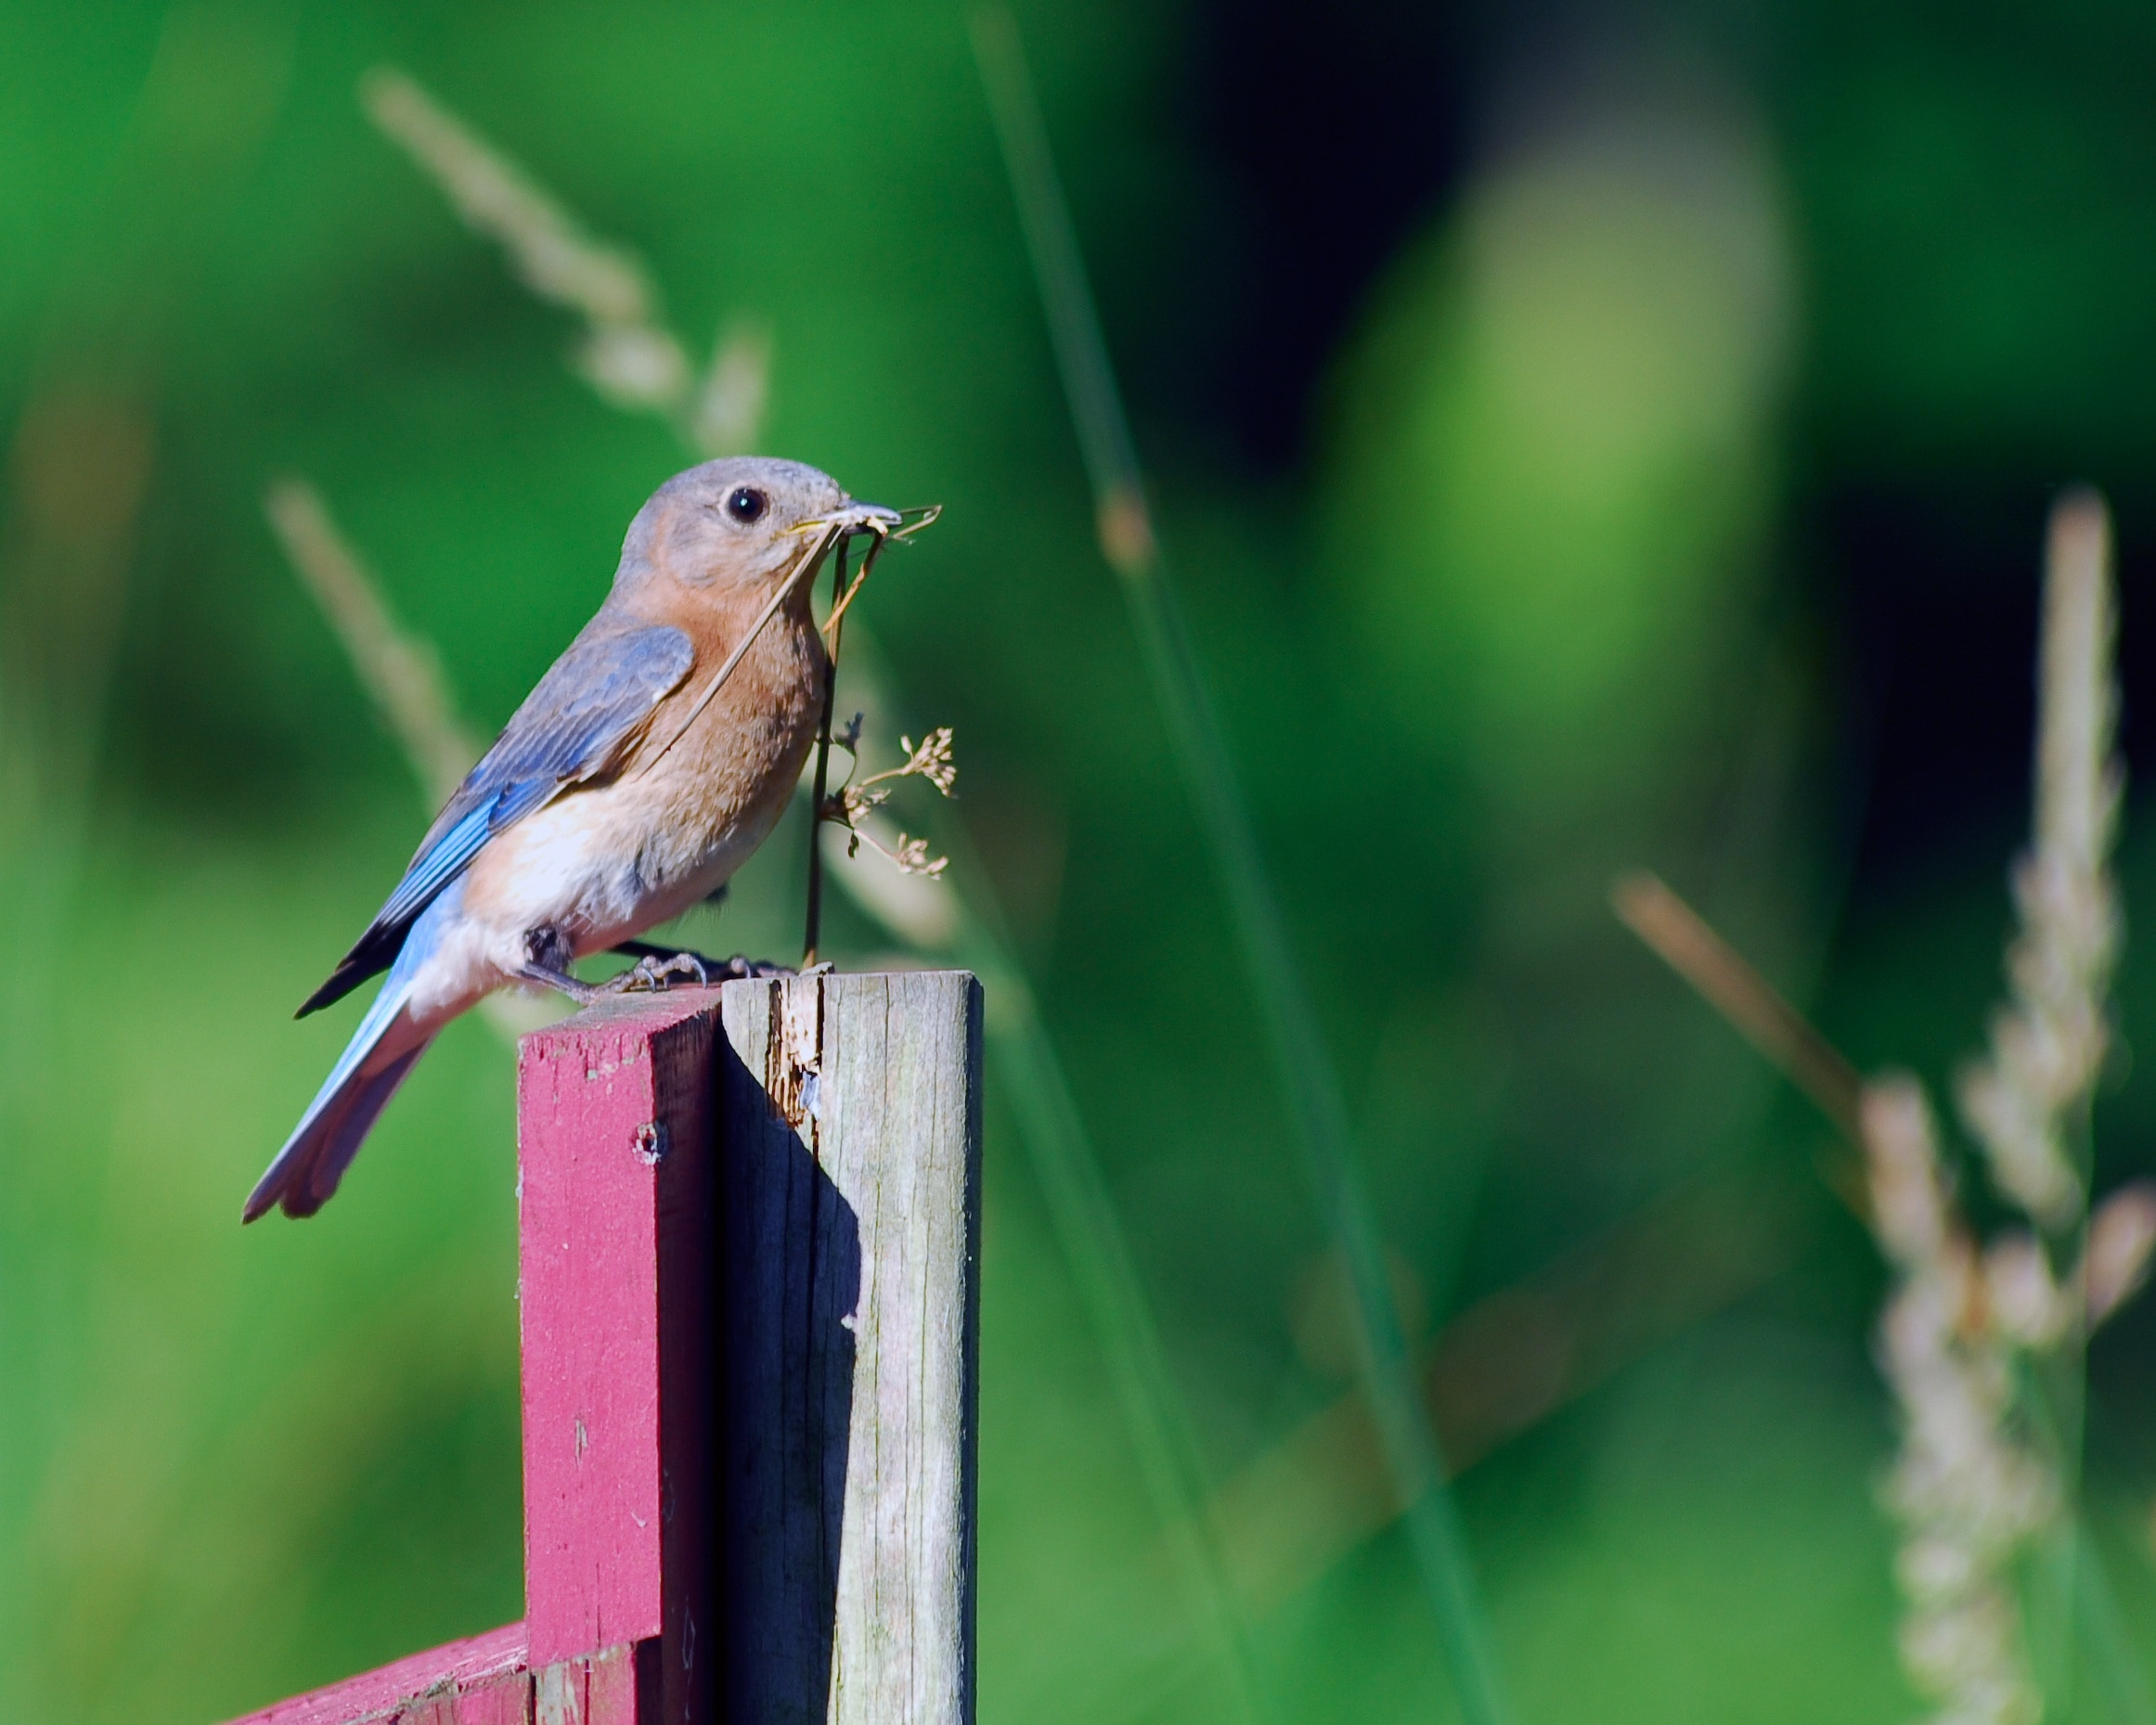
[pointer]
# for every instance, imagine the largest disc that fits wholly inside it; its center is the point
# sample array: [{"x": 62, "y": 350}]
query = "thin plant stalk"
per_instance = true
[
  {"x": 1312, "y": 1088},
  {"x": 816, "y": 796},
  {"x": 1081, "y": 1209},
  {"x": 1683, "y": 940},
  {"x": 402, "y": 673},
  {"x": 2126, "y": 1684}
]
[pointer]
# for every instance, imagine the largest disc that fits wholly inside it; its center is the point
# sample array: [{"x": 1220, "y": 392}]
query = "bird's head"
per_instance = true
[{"x": 741, "y": 527}]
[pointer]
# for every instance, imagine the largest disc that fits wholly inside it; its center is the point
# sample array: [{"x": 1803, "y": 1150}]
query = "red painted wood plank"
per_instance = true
[
  {"x": 394, "y": 1691},
  {"x": 615, "y": 1148},
  {"x": 613, "y": 1688},
  {"x": 505, "y": 1700},
  {"x": 486, "y": 1680},
  {"x": 614, "y": 1684},
  {"x": 616, "y": 1120}
]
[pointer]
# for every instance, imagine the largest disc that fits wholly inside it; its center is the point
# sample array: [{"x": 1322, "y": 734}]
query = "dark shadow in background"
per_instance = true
[
  {"x": 1325, "y": 146},
  {"x": 789, "y": 1279},
  {"x": 1931, "y": 592},
  {"x": 1332, "y": 138}
]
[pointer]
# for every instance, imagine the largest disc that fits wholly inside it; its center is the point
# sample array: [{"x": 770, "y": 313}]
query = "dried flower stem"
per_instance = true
[
  {"x": 851, "y": 805},
  {"x": 815, "y": 913},
  {"x": 930, "y": 759}
]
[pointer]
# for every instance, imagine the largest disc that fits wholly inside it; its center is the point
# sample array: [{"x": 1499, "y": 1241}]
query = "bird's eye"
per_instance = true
[{"x": 747, "y": 504}]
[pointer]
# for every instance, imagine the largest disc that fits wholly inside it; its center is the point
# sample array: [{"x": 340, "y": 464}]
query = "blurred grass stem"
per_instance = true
[
  {"x": 1312, "y": 1088},
  {"x": 629, "y": 354},
  {"x": 1081, "y": 1212},
  {"x": 729, "y": 407},
  {"x": 1506, "y": 1363},
  {"x": 1682, "y": 939},
  {"x": 2126, "y": 1685},
  {"x": 401, "y": 671}
]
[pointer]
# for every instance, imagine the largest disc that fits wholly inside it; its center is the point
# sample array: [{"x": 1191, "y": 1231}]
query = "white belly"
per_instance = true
[
  {"x": 603, "y": 864},
  {"x": 600, "y": 865}
]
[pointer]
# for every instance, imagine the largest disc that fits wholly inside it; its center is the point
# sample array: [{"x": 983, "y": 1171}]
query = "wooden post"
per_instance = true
[
  {"x": 615, "y": 1203},
  {"x": 851, "y": 1216},
  {"x": 757, "y": 1205}
]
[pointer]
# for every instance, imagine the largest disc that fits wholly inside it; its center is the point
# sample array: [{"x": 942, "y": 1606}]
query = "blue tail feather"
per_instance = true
[{"x": 305, "y": 1172}]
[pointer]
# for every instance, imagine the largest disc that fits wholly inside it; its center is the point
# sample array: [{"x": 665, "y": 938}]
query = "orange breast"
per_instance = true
[{"x": 737, "y": 762}]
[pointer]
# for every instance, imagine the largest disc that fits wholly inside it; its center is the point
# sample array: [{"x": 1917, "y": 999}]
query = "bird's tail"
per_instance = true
[{"x": 383, "y": 1051}]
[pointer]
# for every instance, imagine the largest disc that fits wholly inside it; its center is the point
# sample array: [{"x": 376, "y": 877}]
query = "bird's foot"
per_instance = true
[
  {"x": 747, "y": 967},
  {"x": 547, "y": 955},
  {"x": 705, "y": 969},
  {"x": 651, "y": 971},
  {"x": 561, "y": 982},
  {"x": 656, "y": 968}
]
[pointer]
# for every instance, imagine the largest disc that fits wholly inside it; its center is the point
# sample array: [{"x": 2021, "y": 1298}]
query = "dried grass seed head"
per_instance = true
[
  {"x": 2121, "y": 1235},
  {"x": 2049, "y": 1042}
]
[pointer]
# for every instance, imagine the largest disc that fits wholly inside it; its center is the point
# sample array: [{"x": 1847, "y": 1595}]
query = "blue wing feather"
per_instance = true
[
  {"x": 571, "y": 729},
  {"x": 435, "y": 868}
]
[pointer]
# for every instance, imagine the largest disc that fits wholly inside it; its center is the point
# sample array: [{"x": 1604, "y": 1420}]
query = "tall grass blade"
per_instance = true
[
  {"x": 2125, "y": 1683},
  {"x": 1068, "y": 1170},
  {"x": 1297, "y": 1045}
]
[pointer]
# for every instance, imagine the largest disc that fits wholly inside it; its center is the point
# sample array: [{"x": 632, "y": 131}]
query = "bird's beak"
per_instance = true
[
  {"x": 823, "y": 532},
  {"x": 885, "y": 527},
  {"x": 851, "y": 518}
]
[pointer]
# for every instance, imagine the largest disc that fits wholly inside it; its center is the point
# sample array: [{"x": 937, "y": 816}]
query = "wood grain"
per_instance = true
[{"x": 850, "y": 1180}]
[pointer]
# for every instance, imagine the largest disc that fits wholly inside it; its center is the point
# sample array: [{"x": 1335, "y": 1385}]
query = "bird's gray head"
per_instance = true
[{"x": 744, "y": 522}]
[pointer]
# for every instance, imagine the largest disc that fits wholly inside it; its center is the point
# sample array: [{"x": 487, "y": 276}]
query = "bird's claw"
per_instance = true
[
  {"x": 654, "y": 973},
  {"x": 656, "y": 964},
  {"x": 740, "y": 967}
]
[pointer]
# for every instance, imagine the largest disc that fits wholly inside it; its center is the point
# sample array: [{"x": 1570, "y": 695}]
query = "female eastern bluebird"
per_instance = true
[{"x": 642, "y": 772}]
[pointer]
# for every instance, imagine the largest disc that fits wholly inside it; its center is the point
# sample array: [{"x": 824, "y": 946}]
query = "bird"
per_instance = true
[{"x": 644, "y": 767}]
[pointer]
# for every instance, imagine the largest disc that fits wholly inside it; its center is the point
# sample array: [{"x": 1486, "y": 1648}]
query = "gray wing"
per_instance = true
[{"x": 571, "y": 728}]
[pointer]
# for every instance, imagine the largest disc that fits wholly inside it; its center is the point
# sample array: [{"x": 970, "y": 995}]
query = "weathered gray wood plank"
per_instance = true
[{"x": 849, "y": 1181}]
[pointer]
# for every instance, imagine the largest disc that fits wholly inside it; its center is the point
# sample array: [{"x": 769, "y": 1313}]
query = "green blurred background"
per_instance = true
[{"x": 1585, "y": 437}]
